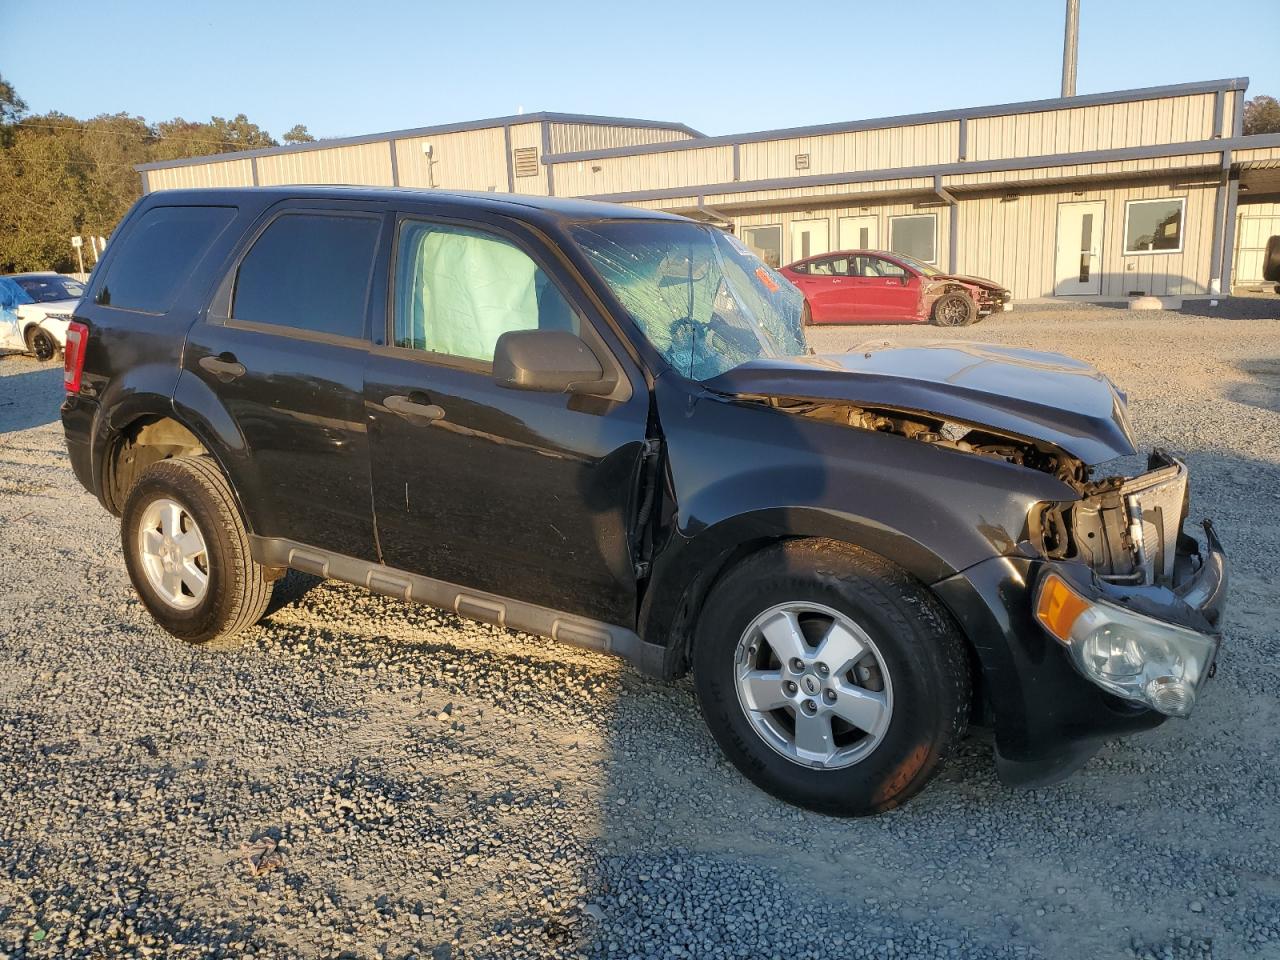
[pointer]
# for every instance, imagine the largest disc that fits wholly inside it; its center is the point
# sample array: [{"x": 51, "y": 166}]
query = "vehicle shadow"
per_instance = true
[
  {"x": 31, "y": 398},
  {"x": 446, "y": 789},
  {"x": 988, "y": 870},
  {"x": 290, "y": 589},
  {"x": 1263, "y": 387}
]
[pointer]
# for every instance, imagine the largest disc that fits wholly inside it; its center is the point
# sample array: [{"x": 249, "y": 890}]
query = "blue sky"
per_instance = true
[{"x": 346, "y": 68}]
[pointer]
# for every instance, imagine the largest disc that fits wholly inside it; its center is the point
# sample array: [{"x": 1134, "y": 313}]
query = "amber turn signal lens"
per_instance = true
[{"x": 1058, "y": 607}]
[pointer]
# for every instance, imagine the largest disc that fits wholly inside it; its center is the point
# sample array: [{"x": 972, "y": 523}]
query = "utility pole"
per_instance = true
[{"x": 1069, "y": 44}]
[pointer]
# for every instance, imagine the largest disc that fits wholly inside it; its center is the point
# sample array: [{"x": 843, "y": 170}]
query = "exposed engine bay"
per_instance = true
[
  {"x": 1126, "y": 529},
  {"x": 944, "y": 433}
]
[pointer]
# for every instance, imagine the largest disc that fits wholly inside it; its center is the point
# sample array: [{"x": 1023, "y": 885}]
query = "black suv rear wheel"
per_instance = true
[
  {"x": 830, "y": 677},
  {"x": 187, "y": 552}
]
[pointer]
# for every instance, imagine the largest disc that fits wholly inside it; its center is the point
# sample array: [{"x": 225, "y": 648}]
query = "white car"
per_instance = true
[{"x": 35, "y": 309}]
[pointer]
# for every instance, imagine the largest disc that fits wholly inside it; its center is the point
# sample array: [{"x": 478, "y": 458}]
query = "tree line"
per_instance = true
[{"x": 60, "y": 176}]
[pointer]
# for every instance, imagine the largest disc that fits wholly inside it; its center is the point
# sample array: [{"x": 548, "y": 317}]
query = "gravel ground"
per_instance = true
[{"x": 365, "y": 778}]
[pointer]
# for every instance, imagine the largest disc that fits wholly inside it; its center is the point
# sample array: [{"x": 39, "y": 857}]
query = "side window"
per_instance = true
[
  {"x": 820, "y": 268},
  {"x": 840, "y": 267},
  {"x": 309, "y": 272},
  {"x": 887, "y": 268},
  {"x": 458, "y": 290},
  {"x": 158, "y": 254},
  {"x": 800, "y": 268},
  {"x": 11, "y": 294}
]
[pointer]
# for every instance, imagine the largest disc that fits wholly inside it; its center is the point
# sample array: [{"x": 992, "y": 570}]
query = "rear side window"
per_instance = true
[
  {"x": 831, "y": 267},
  {"x": 158, "y": 254},
  {"x": 309, "y": 272}
]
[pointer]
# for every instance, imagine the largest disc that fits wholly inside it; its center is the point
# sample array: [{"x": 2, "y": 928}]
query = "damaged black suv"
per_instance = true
[{"x": 604, "y": 425}]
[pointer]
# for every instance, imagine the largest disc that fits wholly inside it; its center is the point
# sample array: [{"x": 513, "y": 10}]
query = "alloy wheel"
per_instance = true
[
  {"x": 813, "y": 685},
  {"x": 174, "y": 556},
  {"x": 954, "y": 313},
  {"x": 42, "y": 346}
]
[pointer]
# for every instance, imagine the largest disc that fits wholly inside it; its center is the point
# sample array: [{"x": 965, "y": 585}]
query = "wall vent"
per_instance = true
[
  {"x": 526, "y": 161},
  {"x": 802, "y": 161}
]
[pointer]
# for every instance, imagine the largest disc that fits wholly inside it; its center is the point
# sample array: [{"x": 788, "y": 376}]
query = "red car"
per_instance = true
[{"x": 871, "y": 286}]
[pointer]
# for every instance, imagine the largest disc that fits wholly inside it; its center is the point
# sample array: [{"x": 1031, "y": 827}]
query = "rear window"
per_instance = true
[
  {"x": 309, "y": 272},
  {"x": 158, "y": 253},
  {"x": 51, "y": 289}
]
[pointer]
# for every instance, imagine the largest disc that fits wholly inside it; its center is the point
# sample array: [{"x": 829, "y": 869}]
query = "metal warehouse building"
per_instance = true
[{"x": 1102, "y": 196}]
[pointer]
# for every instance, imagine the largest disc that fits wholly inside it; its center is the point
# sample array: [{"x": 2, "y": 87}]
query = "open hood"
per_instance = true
[{"x": 1040, "y": 396}]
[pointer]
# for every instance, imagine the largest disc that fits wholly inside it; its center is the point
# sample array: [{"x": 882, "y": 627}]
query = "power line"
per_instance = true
[{"x": 90, "y": 163}]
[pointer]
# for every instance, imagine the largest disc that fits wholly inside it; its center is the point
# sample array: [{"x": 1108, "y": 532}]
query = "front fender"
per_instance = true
[
  {"x": 687, "y": 567},
  {"x": 745, "y": 474},
  {"x": 54, "y": 327}
]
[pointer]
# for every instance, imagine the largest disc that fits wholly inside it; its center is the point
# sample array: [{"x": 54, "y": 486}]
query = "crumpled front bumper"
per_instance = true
[
  {"x": 1137, "y": 606},
  {"x": 1047, "y": 717},
  {"x": 1155, "y": 645}
]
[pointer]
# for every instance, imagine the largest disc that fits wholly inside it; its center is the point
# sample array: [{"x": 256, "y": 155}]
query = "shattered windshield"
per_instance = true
[{"x": 704, "y": 301}]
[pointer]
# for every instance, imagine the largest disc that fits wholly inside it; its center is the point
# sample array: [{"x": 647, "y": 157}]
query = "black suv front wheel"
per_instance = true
[
  {"x": 187, "y": 552},
  {"x": 830, "y": 677}
]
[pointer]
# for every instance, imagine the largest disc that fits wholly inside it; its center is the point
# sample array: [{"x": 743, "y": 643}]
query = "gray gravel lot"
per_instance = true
[{"x": 419, "y": 785}]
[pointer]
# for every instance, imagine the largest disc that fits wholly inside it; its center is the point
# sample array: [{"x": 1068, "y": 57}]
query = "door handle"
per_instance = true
[
  {"x": 225, "y": 367},
  {"x": 413, "y": 410}
]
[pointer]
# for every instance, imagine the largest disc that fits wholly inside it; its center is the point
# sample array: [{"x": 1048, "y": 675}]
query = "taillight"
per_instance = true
[{"x": 73, "y": 356}]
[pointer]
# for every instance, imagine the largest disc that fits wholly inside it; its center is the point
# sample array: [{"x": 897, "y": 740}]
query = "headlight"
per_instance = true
[{"x": 1133, "y": 656}]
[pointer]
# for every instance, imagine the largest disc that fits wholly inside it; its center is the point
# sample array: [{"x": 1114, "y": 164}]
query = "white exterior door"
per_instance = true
[
  {"x": 1078, "y": 264},
  {"x": 809, "y": 238},
  {"x": 859, "y": 233},
  {"x": 1251, "y": 246}
]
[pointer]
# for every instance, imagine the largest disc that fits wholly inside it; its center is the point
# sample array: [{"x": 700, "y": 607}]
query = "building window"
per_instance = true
[
  {"x": 915, "y": 236},
  {"x": 1153, "y": 226},
  {"x": 765, "y": 242}
]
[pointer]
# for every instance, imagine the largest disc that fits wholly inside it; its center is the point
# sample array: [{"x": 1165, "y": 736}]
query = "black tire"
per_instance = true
[
  {"x": 41, "y": 344},
  {"x": 954, "y": 310},
  {"x": 1271, "y": 261},
  {"x": 806, "y": 315},
  {"x": 921, "y": 648},
  {"x": 238, "y": 590}
]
